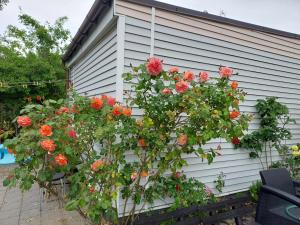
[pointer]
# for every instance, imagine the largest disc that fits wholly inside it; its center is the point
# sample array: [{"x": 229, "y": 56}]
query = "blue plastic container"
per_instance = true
[{"x": 5, "y": 157}]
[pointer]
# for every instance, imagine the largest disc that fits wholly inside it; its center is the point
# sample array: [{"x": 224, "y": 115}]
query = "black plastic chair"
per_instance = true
[{"x": 278, "y": 202}]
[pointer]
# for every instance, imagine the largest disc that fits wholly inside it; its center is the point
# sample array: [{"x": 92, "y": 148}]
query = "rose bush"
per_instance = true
[{"x": 111, "y": 157}]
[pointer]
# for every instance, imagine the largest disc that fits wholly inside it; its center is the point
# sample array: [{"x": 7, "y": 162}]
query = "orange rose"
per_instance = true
[
  {"x": 24, "y": 121},
  {"x": 97, "y": 164},
  {"x": 46, "y": 130},
  {"x": 117, "y": 110},
  {"x": 234, "y": 114},
  {"x": 225, "y": 72},
  {"x": 38, "y": 98},
  {"x": 144, "y": 174},
  {"x": 10, "y": 151},
  {"x": 203, "y": 76},
  {"x": 141, "y": 143},
  {"x": 189, "y": 76},
  {"x": 166, "y": 91},
  {"x": 61, "y": 160},
  {"x": 181, "y": 86},
  {"x": 234, "y": 85},
  {"x": 48, "y": 145},
  {"x": 127, "y": 112},
  {"x": 96, "y": 103},
  {"x": 62, "y": 110},
  {"x": 174, "y": 70},
  {"x": 182, "y": 139}
]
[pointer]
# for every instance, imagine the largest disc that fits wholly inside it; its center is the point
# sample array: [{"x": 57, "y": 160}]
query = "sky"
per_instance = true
[{"x": 278, "y": 14}]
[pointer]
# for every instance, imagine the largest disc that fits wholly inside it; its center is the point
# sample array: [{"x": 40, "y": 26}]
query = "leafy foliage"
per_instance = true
[
  {"x": 108, "y": 154},
  {"x": 274, "y": 117},
  {"x": 254, "y": 190},
  {"x": 30, "y": 66},
  {"x": 3, "y": 3}
]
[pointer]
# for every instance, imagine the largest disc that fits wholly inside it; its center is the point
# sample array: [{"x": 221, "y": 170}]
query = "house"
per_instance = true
[{"x": 117, "y": 33}]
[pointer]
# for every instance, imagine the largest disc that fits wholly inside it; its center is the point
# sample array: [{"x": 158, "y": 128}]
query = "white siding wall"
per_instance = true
[
  {"x": 268, "y": 65},
  {"x": 95, "y": 73}
]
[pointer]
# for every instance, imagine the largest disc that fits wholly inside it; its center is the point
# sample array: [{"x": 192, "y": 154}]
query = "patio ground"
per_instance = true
[{"x": 17, "y": 208}]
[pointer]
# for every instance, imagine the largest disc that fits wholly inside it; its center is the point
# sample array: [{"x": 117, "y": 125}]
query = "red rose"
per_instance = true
[
  {"x": 46, "y": 130},
  {"x": 203, "y": 76},
  {"x": 61, "y": 160},
  {"x": 235, "y": 141},
  {"x": 48, "y": 145},
  {"x": 189, "y": 76},
  {"x": 166, "y": 91},
  {"x": 225, "y": 72},
  {"x": 38, "y": 98},
  {"x": 96, "y": 103},
  {"x": 182, "y": 86},
  {"x": 24, "y": 121},
  {"x": 234, "y": 85},
  {"x": 92, "y": 189},
  {"x": 117, "y": 110},
  {"x": 110, "y": 101},
  {"x": 154, "y": 66},
  {"x": 72, "y": 133},
  {"x": 234, "y": 114},
  {"x": 97, "y": 164},
  {"x": 177, "y": 187},
  {"x": 174, "y": 70},
  {"x": 177, "y": 175}
]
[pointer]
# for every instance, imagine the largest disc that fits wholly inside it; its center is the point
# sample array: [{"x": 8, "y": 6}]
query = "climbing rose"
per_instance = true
[
  {"x": 110, "y": 101},
  {"x": 225, "y": 72},
  {"x": 133, "y": 176},
  {"x": 61, "y": 160},
  {"x": 203, "y": 76},
  {"x": 234, "y": 114},
  {"x": 141, "y": 143},
  {"x": 62, "y": 110},
  {"x": 234, "y": 85},
  {"x": 174, "y": 70},
  {"x": 189, "y": 76},
  {"x": 235, "y": 141},
  {"x": 96, "y": 103},
  {"x": 182, "y": 86},
  {"x": 97, "y": 164},
  {"x": 166, "y": 91},
  {"x": 48, "y": 145},
  {"x": 104, "y": 97},
  {"x": 154, "y": 66},
  {"x": 117, "y": 110},
  {"x": 24, "y": 121},
  {"x": 46, "y": 130},
  {"x": 182, "y": 139},
  {"x": 127, "y": 112},
  {"x": 72, "y": 133}
]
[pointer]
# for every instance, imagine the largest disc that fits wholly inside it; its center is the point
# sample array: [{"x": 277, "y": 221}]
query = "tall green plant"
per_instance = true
[
  {"x": 272, "y": 133},
  {"x": 30, "y": 66}
]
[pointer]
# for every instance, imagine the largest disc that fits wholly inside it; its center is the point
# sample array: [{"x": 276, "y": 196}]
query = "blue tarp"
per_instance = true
[{"x": 5, "y": 157}]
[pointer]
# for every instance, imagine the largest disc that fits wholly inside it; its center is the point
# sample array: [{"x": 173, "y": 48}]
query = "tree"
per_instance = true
[
  {"x": 30, "y": 65},
  {"x": 3, "y": 3}
]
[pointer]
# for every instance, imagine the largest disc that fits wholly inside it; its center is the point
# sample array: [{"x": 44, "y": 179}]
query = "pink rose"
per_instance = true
[
  {"x": 182, "y": 86},
  {"x": 166, "y": 91},
  {"x": 189, "y": 76},
  {"x": 24, "y": 121},
  {"x": 203, "y": 76},
  {"x": 154, "y": 66},
  {"x": 110, "y": 101},
  {"x": 174, "y": 70},
  {"x": 225, "y": 72}
]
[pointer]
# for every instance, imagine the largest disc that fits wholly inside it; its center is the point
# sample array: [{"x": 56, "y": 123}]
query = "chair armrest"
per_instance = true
[
  {"x": 281, "y": 194},
  {"x": 296, "y": 183}
]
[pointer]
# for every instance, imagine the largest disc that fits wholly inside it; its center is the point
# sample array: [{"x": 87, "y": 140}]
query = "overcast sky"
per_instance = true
[{"x": 278, "y": 14}]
